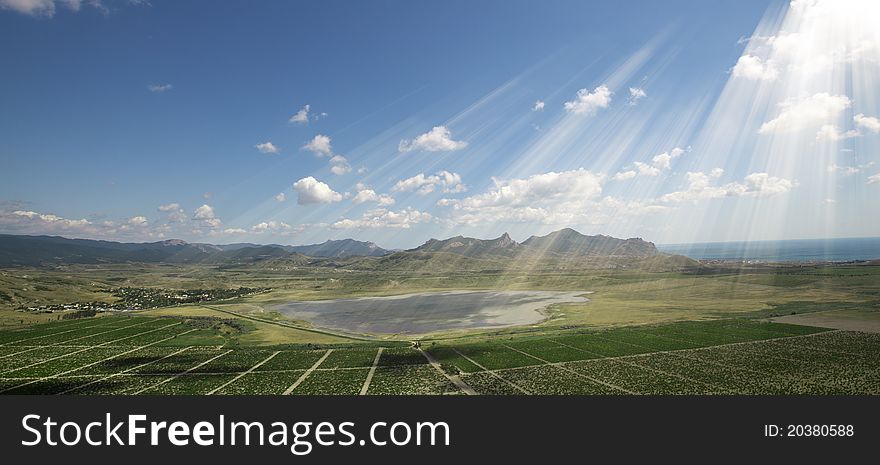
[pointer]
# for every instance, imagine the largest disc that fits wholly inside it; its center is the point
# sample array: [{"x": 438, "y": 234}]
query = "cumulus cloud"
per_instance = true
[
  {"x": 234, "y": 231},
  {"x": 319, "y": 145},
  {"x": 384, "y": 218},
  {"x": 701, "y": 186},
  {"x": 312, "y": 191},
  {"x": 550, "y": 198},
  {"x": 447, "y": 181},
  {"x": 366, "y": 194},
  {"x": 339, "y": 165},
  {"x": 874, "y": 179},
  {"x": 301, "y": 116},
  {"x": 274, "y": 227},
  {"x": 588, "y": 103},
  {"x": 50, "y": 219},
  {"x": 636, "y": 94},
  {"x": 664, "y": 160},
  {"x": 810, "y": 113},
  {"x": 267, "y": 147},
  {"x": 624, "y": 175},
  {"x": 175, "y": 213},
  {"x": 159, "y": 88},
  {"x": 539, "y": 105},
  {"x": 539, "y": 187},
  {"x": 567, "y": 197},
  {"x": 755, "y": 69},
  {"x": 658, "y": 164},
  {"x": 19, "y": 221},
  {"x": 831, "y": 132},
  {"x": 137, "y": 221},
  {"x": 844, "y": 170},
  {"x": 437, "y": 139},
  {"x": 205, "y": 214},
  {"x": 44, "y": 8},
  {"x": 868, "y": 122},
  {"x": 280, "y": 197}
]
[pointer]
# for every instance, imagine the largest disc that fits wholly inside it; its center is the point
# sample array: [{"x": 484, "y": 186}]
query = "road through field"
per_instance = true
[
  {"x": 118, "y": 373},
  {"x": 564, "y": 368},
  {"x": 58, "y": 375},
  {"x": 307, "y": 373},
  {"x": 90, "y": 348},
  {"x": 455, "y": 379},
  {"x": 240, "y": 375},
  {"x": 183, "y": 373},
  {"x": 372, "y": 372}
]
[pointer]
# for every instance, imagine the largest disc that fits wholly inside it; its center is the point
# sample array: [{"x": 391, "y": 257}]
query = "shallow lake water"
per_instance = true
[{"x": 428, "y": 311}]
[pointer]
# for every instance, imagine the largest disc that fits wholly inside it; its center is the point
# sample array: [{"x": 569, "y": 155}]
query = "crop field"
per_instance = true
[{"x": 162, "y": 356}]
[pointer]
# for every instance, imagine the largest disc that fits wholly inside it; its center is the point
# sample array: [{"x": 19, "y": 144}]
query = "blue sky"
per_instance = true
[{"x": 676, "y": 121}]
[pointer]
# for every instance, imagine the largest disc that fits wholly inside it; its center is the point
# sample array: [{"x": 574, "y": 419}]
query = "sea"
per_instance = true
[{"x": 797, "y": 250}]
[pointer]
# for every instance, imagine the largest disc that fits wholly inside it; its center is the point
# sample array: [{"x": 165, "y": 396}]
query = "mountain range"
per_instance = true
[{"x": 563, "y": 246}]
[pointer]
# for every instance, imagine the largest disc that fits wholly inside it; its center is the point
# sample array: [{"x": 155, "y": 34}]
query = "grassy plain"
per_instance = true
[
  {"x": 166, "y": 355},
  {"x": 617, "y": 297}
]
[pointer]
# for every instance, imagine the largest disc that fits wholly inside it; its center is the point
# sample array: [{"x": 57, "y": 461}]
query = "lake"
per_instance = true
[{"x": 428, "y": 311}]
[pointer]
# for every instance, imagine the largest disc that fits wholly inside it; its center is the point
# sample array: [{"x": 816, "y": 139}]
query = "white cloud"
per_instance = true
[
  {"x": 301, "y": 116},
  {"x": 159, "y": 88},
  {"x": 36, "y": 7},
  {"x": 448, "y": 182},
  {"x": 831, "y": 132},
  {"x": 365, "y": 194},
  {"x": 809, "y": 113},
  {"x": 874, "y": 179},
  {"x": 176, "y": 214},
  {"x": 319, "y": 145},
  {"x": 754, "y": 68},
  {"x": 274, "y": 227},
  {"x": 624, "y": 175},
  {"x": 844, "y": 170},
  {"x": 700, "y": 187},
  {"x": 339, "y": 165},
  {"x": 312, "y": 191},
  {"x": 437, "y": 139},
  {"x": 280, "y": 197},
  {"x": 658, "y": 164},
  {"x": 384, "y": 218},
  {"x": 233, "y": 231},
  {"x": 588, "y": 103},
  {"x": 645, "y": 169},
  {"x": 636, "y": 94},
  {"x": 539, "y": 187},
  {"x": 47, "y": 8},
  {"x": 664, "y": 160},
  {"x": 868, "y": 122},
  {"x": 552, "y": 198},
  {"x": 138, "y": 221},
  {"x": 205, "y": 214},
  {"x": 267, "y": 147},
  {"x": 31, "y": 222},
  {"x": 50, "y": 219},
  {"x": 539, "y": 106}
]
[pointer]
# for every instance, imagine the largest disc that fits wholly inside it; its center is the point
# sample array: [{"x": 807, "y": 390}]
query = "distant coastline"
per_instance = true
[{"x": 781, "y": 251}]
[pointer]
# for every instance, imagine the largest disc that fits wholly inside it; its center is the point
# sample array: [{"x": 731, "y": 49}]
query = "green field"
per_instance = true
[
  {"x": 617, "y": 297},
  {"x": 149, "y": 355},
  {"x": 717, "y": 330}
]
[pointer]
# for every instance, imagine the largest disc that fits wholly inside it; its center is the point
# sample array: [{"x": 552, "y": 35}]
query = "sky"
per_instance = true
[{"x": 398, "y": 121}]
